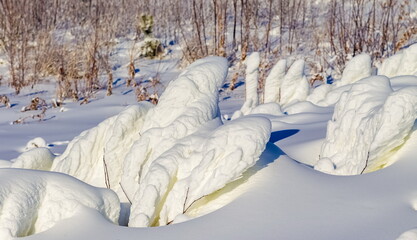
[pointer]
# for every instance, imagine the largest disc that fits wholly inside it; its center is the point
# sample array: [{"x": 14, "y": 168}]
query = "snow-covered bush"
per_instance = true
[
  {"x": 294, "y": 86},
  {"x": 274, "y": 80},
  {"x": 402, "y": 63},
  {"x": 150, "y": 46},
  {"x": 359, "y": 67},
  {"x": 96, "y": 156},
  {"x": 197, "y": 166},
  {"x": 170, "y": 155},
  {"x": 36, "y": 158},
  {"x": 188, "y": 103},
  {"x": 35, "y": 143},
  {"x": 369, "y": 122},
  {"x": 356, "y": 69},
  {"x": 252, "y": 73},
  {"x": 34, "y": 201}
]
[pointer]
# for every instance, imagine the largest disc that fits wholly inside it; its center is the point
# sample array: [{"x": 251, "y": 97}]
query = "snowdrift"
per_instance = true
[
  {"x": 369, "y": 122},
  {"x": 34, "y": 201}
]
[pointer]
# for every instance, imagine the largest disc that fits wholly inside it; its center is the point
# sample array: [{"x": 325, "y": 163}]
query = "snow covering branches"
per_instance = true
[
  {"x": 163, "y": 159},
  {"x": 33, "y": 201},
  {"x": 369, "y": 122}
]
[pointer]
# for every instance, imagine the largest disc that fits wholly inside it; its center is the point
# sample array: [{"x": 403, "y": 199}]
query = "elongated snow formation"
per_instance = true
[
  {"x": 33, "y": 201},
  {"x": 189, "y": 102},
  {"x": 294, "y": 86},
  {"x": 368, "y": 123},
  {"x": 96, "y": 156},
  {"x": 188, "y": 172},
  {"x": 357, "y": 68},
  {"x": 273, "y": 82},
  {"x": 252, "y": 72}
]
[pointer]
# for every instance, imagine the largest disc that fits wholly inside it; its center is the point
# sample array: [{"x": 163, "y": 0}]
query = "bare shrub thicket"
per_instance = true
[{"x": 74, "y": 40}]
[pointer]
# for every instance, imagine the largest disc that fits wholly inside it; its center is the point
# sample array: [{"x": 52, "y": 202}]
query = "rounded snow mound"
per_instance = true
[{"x": 33, "y": 201}]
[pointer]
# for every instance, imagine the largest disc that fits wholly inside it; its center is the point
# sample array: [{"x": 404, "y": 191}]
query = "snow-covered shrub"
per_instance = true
[
  {"x": 294, "y": 86},
  {"x": 357, "y": 68},
  {"x": 402, "y": 63},
  {"x": 252, "y": 72},
  {"x": 274, "y": 80},
  {"x": 154, "y": 157},
  {"x": 150, "y": 46},
  {"x": 35, "y": 143},
  {"x": 188, "y": 103},
  {"x": 36, "y": 158},
  {"x": 369, "y": 122},
  {"x": 34, "y": 201},
  {"x": 96, "y": 156},
  {"x": 196, "y": 167}
]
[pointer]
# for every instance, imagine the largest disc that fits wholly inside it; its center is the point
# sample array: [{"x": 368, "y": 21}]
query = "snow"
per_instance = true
[
  {"x": 402, "y": 63},
  {"x": 252, "y": 72},
  {"x": 36, "y": 158},
  {"x": 273, "y": 82},
  {"x": 35, "y": 143},
  {"x": 409, "y": 235},
  {"x": 294, "y": 86},
  {"x": 187, "y": 103},
  {"x": 274, "y": 193},
  {"x": 34, "y": 201},
  {"x": 359, "y": 67},
  {"x": 103, "y": 147},
  {"x": 369, "y": 123}
]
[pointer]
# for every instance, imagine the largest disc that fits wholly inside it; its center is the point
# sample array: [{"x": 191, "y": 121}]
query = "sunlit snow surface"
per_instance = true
[{"x": 282, "y": 196}]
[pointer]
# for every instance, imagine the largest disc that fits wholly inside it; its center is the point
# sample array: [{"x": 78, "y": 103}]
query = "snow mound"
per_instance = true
[
  {"x": 188, "y": 102},
  {"x": 273, "y": 82},
  {"x": 403, "y": 63},
  {"x": 252, "y": 72},
  {"x": 196, "y": 167},
  {"x": 33, "y": 201},
  {"x": 35, "y": 143},
  {"x": 368, "y": 123},
  {"x": 409, "y": 235},
  {"x": 356, "y": 69},
  {"x": 36, "y": 158},
  {"x": 294, "y": 87},
  {"x": 96, "y": 156}
]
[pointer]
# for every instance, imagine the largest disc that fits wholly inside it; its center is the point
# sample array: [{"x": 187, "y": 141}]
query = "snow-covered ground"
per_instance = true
[{"x": 185, "y": 164}]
